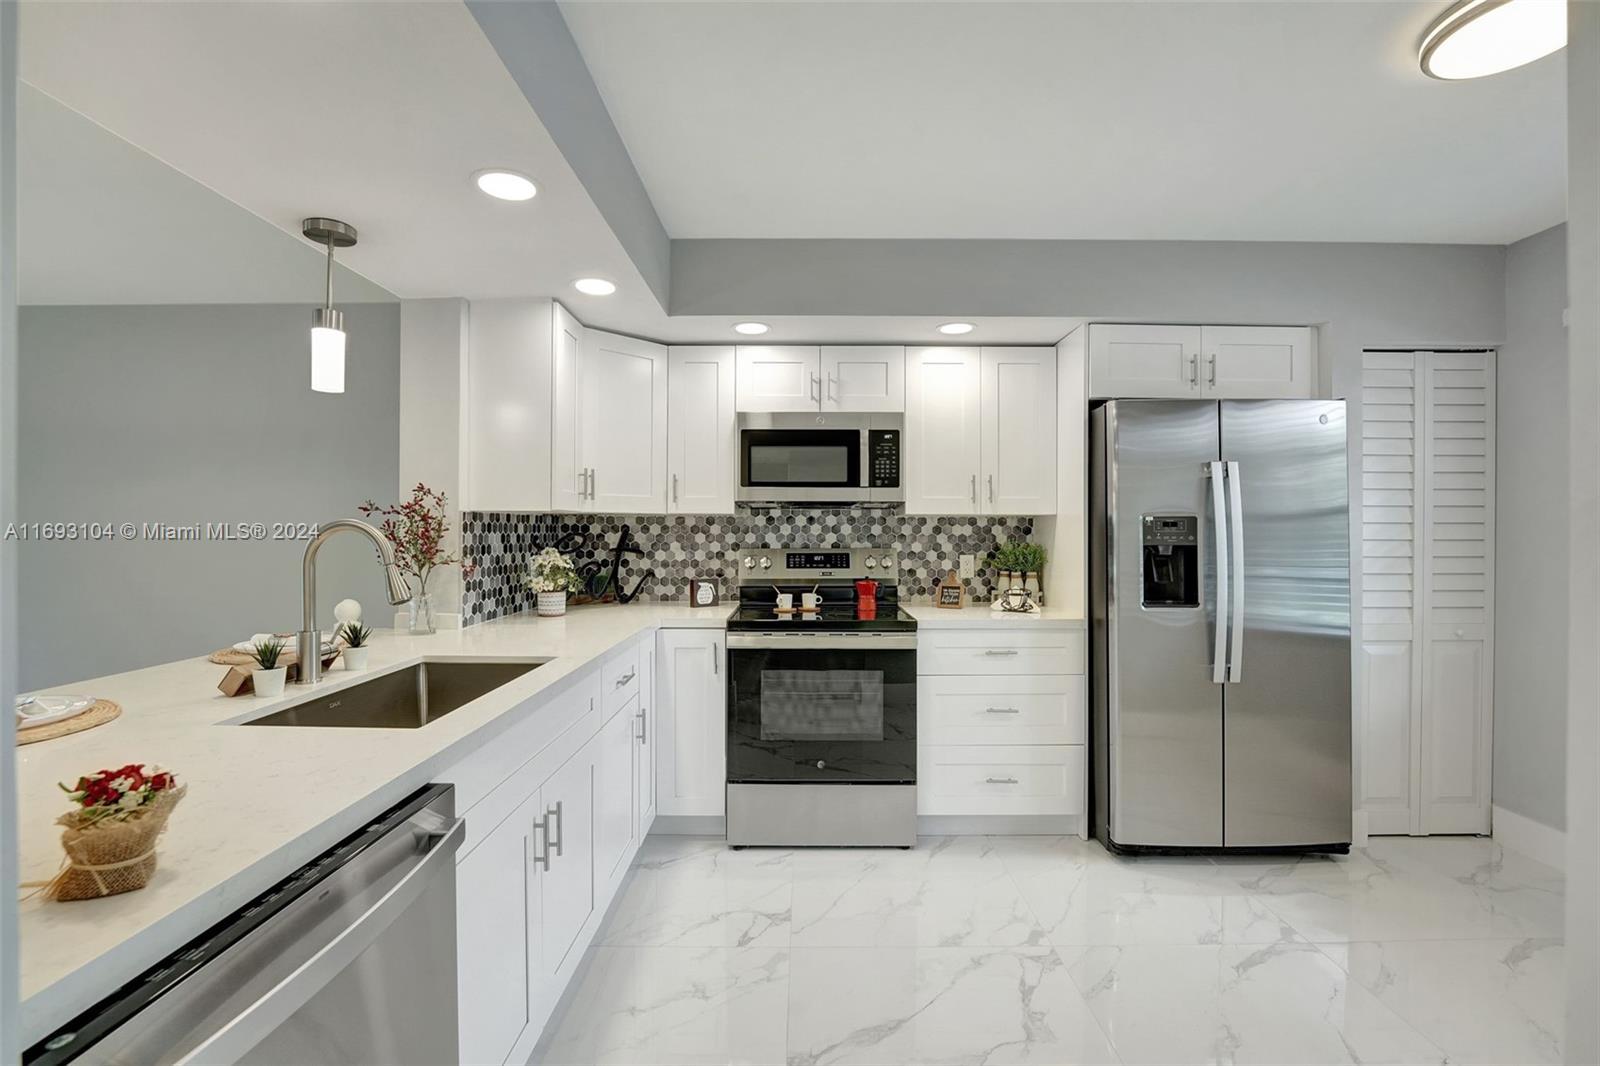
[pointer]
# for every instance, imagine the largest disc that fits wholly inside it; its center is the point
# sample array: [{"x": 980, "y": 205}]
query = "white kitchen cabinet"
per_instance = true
[
  {"x": 864, "y": 378},
  {"x": 980, "y": 432},
  {"x": 775, "y": 378},
  {"x": 1257, "y": 362},
  {"x": 622, "y": 384},
  {"x": 645, "y": 789},
  {"x": 943, "y": 434},
  {"x": 566, "y": 843},
  {"x": 615, "y": 777},
  {"x": 507, "y": 430},
  {"x": 691, "y": 722},
  {"x": 1201, "y": 362},
  {"x": 1144, "y": 361},
  {"x": 702, "y": 430},
  {"x": 569, "y": 478},
  {"x": 1017, "y": 388},
  {"x": 495, "y": 939}
]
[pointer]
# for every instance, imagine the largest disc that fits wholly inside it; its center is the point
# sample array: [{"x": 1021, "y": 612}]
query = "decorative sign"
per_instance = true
[
  {"x": 950, "y": 592},
  {"x": 702, "y": 593}
]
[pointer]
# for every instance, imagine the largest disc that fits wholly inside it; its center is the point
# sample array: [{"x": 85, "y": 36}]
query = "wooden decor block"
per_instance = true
[{"x": 950, "y": 593}]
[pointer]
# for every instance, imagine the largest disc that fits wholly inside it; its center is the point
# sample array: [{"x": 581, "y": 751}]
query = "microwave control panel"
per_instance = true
[{"x": 883, "y": 458}]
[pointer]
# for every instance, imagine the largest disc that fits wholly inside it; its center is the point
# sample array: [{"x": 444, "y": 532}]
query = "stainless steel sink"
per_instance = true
[{"x": 404, "y": 699}]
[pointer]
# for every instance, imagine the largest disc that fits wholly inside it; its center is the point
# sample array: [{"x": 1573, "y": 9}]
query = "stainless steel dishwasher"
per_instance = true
[{"x": 352, "y": 959}]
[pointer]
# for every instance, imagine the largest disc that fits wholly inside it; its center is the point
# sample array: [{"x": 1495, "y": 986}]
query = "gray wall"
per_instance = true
[
  {"x": 1530, "y": 607},
  {"x": 1583, "y": 666},
  {"x": 183, "y": 414}
]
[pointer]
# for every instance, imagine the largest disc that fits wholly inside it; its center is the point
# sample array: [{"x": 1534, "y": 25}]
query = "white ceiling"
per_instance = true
[{"x": 1124, "y": 120}]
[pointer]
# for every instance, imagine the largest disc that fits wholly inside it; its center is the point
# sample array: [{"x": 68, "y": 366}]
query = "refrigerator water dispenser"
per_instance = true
[{"x": 1171, "y": 561}]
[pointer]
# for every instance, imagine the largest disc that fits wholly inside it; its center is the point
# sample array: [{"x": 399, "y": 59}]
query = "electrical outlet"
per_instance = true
[{"x": 969, "y": 567}]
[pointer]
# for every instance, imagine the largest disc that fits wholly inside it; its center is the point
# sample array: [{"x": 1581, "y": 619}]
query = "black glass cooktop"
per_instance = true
[{"x": 847, "y": 616}]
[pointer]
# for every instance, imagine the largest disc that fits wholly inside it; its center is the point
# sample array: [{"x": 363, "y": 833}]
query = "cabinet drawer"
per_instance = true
[
  {"x": 619, "y": 680},
  {"x": 1006, "y": 709},
  {"x": 998, "y": 650},
  {"x": 969, "y": 779}
]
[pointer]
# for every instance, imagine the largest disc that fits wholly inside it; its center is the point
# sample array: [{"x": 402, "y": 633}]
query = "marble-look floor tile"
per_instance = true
[
  {"x": 703, "y": 897},
  {"x": 1482, "y": 1001},
  {"x": 932, "y": 856},
  {"x": 875, "y": 908},
  {"x": 938, "y": 1005},
  {"x": 1419, "y": 907},
  {"x": 674, "y": 1006},
  {"x": 1279, "y": 1003}
]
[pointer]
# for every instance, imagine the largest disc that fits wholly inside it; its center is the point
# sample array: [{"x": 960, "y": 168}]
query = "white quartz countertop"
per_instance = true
[
  {"x": 261, "y": 802},
  {"x": 979, "y": 614}
]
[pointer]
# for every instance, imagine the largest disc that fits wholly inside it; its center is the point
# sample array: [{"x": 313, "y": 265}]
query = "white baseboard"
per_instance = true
[
  {"x": 1536, "y": 840},
  {"x": 1359, "y": 822},
  {"x": 977, "y": 825}
]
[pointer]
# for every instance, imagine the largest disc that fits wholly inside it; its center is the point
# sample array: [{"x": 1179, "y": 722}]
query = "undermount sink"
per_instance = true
[{"x": 404, "y": 699}]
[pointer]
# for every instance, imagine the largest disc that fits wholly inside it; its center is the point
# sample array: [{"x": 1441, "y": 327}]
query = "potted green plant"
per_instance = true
[
  {"x": 1029, "y": 562},
  {"x": 268, "y": 677},
  {"x": 356, "y": 648},
  {"x": 1019, "y": 564},
  {"x": 552, "y": 576}
]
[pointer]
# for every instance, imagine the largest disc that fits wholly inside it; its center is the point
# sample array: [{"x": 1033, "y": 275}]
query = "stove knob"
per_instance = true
[
  {"x": 871, "y": 562},
  {"x": 821, "y": 765},
  {"x": 766, "y": 564},
  {"x": 749, "y": 563},
  {"x": 888, "y": 561}
]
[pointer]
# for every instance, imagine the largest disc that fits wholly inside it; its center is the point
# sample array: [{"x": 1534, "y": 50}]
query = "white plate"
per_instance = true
[{"x": 35, "y": 711}]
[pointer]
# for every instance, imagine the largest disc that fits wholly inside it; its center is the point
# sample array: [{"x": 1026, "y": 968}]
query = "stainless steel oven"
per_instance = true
[{"x": 823, "y": 458}]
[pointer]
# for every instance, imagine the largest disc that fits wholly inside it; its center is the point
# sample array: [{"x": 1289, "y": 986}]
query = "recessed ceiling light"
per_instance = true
[
  {"x": 506, "y": 184},
  {"x": 750, "y": 329},
  {"x": 955, "y": 329},
  {"x": 594, "y": 286},
  {"x": 1481, "y": 37}
]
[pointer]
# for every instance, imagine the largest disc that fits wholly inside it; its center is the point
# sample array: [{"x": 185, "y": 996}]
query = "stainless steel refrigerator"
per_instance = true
[{"x": 1220, "y": 612}]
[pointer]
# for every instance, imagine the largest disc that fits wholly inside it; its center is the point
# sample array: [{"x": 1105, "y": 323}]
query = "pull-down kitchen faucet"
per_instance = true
[{"x": 310, "y": 643}]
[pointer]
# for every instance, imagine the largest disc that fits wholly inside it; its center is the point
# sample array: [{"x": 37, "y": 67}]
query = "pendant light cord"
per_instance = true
[{"x": 329, "y": 302}]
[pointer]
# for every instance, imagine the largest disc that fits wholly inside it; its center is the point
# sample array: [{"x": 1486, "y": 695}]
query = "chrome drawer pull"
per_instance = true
[
  {"x": 1002, "y": 710},
  {"x": 631, "y": 675},
  {"x": 1001, "y": 651},
  {"x": 1001, "y": 780}
]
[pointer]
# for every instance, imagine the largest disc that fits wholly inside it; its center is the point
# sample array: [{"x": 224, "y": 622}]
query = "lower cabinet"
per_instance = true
[
  {"x": 692, "y": 759},
  {"x": 565, "y": 876},
  {"x": 615, "y": 777},
  {"x": 494, "y": 938},
  {"x": 645, "y": 765}
]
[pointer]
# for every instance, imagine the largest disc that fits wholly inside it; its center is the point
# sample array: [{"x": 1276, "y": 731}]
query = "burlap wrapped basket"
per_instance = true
[{"x": 111, "y": 855}]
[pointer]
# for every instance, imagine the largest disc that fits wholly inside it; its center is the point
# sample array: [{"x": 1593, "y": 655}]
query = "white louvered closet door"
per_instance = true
[{"x": 1427, "y": 472}]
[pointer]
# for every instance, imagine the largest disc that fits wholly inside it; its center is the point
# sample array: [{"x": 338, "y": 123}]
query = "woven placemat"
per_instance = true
[{"x": 99, "y": 713}]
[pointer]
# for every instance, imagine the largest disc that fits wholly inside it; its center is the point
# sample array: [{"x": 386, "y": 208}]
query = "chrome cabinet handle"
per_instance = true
[
  {"x": 716, "y": 654},
  {"x": 674, "y": 488},
  {"x": 1000, "y": 780},
  {"x": 1211, "y": 374},
  {"x": 1194, "y": 370},
  {"x": 991, "y": 488},
  {"x": 561, "y": 830},
  {"x": 644, "y": 726},
  {"x": 832, "y": 395},
  {"x": 1002, "y": 710},
  {"x": 591, "y": 482},
  {"x": 633, "y": 673},
  {"x": 974, "y": 490},
  {"x": 816, "y": 388},
  {"x": 1000, "y": 651},
  {"x": 541, "y": 828}
]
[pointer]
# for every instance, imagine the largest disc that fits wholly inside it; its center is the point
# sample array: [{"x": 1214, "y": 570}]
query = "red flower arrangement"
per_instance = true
[
  {"x": 417, "y": 530},
  {"x": 118, "y": 793}
]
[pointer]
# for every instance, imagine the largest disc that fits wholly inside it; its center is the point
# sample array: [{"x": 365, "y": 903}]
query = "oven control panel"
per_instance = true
[{"x": 766, "y": 565}]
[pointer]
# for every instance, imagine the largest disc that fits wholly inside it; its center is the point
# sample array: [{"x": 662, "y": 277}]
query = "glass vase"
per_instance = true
[{"x": 420, "y": 620}]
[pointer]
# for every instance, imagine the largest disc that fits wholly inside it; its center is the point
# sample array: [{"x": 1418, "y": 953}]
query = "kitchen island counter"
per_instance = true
[{"x": 263, "y": 801}]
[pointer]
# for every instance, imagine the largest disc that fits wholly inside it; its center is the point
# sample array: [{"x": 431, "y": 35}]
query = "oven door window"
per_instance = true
[
  {"x": 822, "y": 715},
  {"x": 800, "y": 458}
]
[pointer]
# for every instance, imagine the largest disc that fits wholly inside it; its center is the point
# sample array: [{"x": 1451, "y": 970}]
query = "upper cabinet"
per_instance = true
[
  {"x": 622, "y": 435},
  {"x": 980, "y": 431},
  {"x": 507, "y": 428},
  {"x": 569, "y": 479},
  {"x": 1201, "y": 362},
  {"x": 775, "y": 378},
  {"x": 702, "y": 430}
]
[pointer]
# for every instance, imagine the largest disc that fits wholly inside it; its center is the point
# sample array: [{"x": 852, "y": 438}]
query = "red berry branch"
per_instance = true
[{"x": 416, "y": 528}]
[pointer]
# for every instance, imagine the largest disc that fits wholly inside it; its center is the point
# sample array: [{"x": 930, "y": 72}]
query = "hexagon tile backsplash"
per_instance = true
[{"x": 678, "y": 547}]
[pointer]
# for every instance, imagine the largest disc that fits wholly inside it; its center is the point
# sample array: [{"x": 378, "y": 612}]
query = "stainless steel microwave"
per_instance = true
[{"x": 804, "y": 458}]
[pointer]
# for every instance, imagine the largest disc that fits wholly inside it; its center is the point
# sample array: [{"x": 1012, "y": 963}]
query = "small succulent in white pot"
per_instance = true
[
  {"x": 356, "y": 636},
  {"x": 268, "y": 677},
  {"x": 552, "y": 576}
]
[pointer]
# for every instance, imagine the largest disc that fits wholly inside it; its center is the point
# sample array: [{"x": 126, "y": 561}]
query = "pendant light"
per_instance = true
[
  {"x": 1476, "y": 38},
  {"x": 327, "y": 328}
]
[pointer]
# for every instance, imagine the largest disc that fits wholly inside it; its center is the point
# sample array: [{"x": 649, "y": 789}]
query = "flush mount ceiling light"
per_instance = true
[
  {"x": 955, "y": 329},
  {"x": 750, "y": 329},
  {"x": 327, "y": 328},
  {"x": 506, "y": 184},
  {"x": 595, "y": 286},
  {"x": 1476, "y": 38}
]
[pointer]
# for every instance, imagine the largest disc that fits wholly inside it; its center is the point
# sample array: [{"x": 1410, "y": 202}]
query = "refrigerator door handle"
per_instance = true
[
  {"x": 1236, "y": 511},
  {"x": 1219, "y": 514}
]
